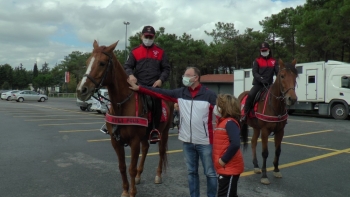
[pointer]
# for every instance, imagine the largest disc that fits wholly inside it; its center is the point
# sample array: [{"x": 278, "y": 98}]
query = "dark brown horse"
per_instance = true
[
  {"x": 103, "y": 69},
  {"x": 271, "y": 116}
]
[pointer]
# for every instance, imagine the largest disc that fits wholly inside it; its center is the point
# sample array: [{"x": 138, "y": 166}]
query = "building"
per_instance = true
[{"x": 219, "y": 83}]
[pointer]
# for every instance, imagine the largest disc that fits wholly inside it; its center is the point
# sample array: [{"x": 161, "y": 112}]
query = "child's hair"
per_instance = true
[{"x": 229, "y": 106}]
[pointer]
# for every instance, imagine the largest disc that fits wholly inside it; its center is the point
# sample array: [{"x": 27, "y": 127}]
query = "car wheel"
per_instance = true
[
  {"x": 42, "y": 99},
  {"x": 83, "y": 108},
  {"x": 291, "y": 111},
  {"x": 8, "y": 98},
  {"x": 339, "y": 112},
  {"x": 98, "y": 111},
  {"x": 88, "y": 107},
  {"x": 21, "y": 99}
]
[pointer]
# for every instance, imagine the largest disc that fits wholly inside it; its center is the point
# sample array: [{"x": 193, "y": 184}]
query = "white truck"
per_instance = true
[{"x": 323, "y": 87}]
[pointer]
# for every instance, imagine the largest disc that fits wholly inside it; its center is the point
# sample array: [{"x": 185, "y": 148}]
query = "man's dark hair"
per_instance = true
[{"x": 197, "y": 72}]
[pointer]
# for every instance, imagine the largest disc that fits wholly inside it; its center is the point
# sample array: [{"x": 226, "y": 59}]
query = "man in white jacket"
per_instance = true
[{"x": 196, "y": 104}]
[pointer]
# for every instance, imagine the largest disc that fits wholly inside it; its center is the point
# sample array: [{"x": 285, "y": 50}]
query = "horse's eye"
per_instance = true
[
  {"x": 102, "y": 64},
  {"x": 282, "y": 76}
]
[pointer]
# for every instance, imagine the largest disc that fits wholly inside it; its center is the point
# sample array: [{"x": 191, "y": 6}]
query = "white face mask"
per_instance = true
[
  {"x": 216, "y": 111},
  {"x": 265, "y": 53},
  {"x": 147, "y": 42},
  {"x": 186, "y": 81}
]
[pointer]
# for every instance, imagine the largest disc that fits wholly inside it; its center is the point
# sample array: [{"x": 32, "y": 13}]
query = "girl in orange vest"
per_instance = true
[{"x": 227, "y": 156}]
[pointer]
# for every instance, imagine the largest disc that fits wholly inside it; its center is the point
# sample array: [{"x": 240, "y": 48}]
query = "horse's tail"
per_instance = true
[{"x": 244, "y": 135}]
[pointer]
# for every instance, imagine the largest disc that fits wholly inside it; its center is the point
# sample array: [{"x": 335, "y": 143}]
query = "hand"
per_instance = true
[
  {"x": 157, "y": 83},
  {"x": 133, "y": 78},
  {"x": 222, "y": 163},
  {"x": 133, "y": 85}
]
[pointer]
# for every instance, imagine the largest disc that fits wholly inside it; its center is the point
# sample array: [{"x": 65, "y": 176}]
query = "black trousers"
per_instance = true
[
  {"x": 227, "y": 185},
  {"x": 251, "y": 96}
]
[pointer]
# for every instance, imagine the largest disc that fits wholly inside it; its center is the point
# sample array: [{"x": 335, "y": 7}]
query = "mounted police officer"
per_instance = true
[
  {"x": 148, "y": 65},
  {"x": 264, "y": 67}
]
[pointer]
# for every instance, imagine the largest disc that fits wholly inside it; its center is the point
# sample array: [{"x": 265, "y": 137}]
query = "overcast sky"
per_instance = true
[{"x": 48, "y": 30}]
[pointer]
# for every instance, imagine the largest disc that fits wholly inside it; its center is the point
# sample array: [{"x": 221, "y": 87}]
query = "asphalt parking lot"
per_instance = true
[{"x": 55, "y": 149}]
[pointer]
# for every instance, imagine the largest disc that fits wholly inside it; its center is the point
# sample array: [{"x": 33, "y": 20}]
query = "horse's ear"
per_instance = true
[
  {"x": 294, "y": 62},
  {"x": 112, "y": 46},
  {"x": 281, "y": 63},
  {"x": 95, "y": 44}
]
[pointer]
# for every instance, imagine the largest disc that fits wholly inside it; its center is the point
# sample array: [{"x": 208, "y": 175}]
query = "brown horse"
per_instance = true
[
  {"x": 104, "y": 69},
  {"x": 271, "y": 116}
]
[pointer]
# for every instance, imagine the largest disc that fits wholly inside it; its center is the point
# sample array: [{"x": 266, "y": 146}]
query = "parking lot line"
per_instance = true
[
  {"x": 295, "y": 120},
  {"x": 72, "y": 131},
  {"x": 29, "y": 120},
  {"x": 157, "y": 153},
  {"x": 308, "y": 146},
  {"x": 45, "y": 116},
  {"x": 308, "y": 133},
  {"x": 42, "y": 125},
  {"x": 302, "y": 161},
  {"x": 107, "y": 139}
]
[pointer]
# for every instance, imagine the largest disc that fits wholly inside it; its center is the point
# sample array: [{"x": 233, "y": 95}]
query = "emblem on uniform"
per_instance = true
[
  {"x": 273, "y": 62},
  {"x": 155, "y": 53}
]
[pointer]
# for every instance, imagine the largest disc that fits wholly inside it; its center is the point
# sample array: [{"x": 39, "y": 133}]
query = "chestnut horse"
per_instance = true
[
  {"x": 104, "y": 69},
  {"x": 271, "y": 116}
]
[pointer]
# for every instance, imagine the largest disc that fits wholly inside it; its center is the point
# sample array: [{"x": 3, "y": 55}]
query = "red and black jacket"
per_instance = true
[
  {"x": 264, "y": 69},
  {"x": 148, "y": 64}
]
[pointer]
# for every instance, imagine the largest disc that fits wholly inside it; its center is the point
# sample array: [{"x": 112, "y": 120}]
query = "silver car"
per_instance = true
[
  {"x": 8, "y": 95},
  {"x": 28, "y": 95}
]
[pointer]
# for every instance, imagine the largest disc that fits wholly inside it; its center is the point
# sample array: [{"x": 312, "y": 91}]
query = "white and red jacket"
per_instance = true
[{"x": 196, "y": 111}]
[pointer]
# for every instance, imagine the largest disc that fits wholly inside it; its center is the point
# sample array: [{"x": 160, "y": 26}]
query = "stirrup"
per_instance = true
[
  {"x": 104, "y": 129},
  {"x": 154, "y": 136}
]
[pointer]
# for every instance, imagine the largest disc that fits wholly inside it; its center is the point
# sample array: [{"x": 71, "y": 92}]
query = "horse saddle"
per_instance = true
[{"x": 260, "y": 96}]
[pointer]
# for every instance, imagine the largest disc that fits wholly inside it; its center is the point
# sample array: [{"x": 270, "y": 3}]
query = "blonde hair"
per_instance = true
[{"x": 229, "y": 106}]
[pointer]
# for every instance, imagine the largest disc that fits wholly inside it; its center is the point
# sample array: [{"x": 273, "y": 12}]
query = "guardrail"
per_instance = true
[{"x": 63, "y": 95}]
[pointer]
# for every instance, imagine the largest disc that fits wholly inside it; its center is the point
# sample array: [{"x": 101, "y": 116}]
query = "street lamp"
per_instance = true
[{"x": 126, "y": 35}]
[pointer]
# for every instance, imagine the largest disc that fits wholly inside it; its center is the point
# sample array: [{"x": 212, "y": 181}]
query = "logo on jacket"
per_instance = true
[
  {"x": 273, "y": 62},
  {"x": 155, "y": 53}
]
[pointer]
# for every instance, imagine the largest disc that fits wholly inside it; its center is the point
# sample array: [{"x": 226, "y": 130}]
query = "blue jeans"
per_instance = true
[{"x": 192, "y": 153}]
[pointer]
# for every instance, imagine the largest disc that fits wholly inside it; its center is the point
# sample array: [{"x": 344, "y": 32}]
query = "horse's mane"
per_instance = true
[{"x": 292, "y": 68}]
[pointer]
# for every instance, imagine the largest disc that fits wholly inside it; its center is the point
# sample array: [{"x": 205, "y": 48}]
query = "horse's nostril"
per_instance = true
[{"x": 84, "y": 90}]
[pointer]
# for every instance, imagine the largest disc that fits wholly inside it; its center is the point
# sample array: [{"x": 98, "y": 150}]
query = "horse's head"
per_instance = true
[
  {"x": 287, "y": 76},
  {"x": 97, "y": 67}
]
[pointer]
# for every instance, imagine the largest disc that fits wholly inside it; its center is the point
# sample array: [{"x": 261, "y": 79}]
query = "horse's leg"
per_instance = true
[
  {"x": 162, "y": 147},
  {"x": 254, "y": 142},
  {"x": 278, "y": 140},
  {"x": 119, "y": 149},
  {"x": 145, "y": 147},
  {"x": 135, "y": 151},
  {"x": 265, "y": 154}
]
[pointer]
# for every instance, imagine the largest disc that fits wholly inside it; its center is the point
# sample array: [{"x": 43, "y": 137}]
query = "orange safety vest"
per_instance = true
[{"x": 220, "y": 144}]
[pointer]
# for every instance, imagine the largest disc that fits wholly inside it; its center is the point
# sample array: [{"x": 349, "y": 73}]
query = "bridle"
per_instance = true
[
  {"x": 98, "y": 86},
  {"x": 280, "y": 87}
]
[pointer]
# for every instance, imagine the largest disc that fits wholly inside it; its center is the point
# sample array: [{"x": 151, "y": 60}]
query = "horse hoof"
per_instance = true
[
  {"x": 257, "y": 170},
  {"x": 158, "y": 180},
  {"x": 137, "y": 180},
  {"x": 277, "y": 174},
  {"x": 125, "y": 195},
  {"x": 265, "y": 181}
]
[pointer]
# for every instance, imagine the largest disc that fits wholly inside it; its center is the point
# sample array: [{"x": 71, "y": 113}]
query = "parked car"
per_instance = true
[
  {"x": 8, "y": 95},
  {"x": 86, "y": 105},
  {"x": 29, "y": 95},
  {"x": 101, "y": 105}
]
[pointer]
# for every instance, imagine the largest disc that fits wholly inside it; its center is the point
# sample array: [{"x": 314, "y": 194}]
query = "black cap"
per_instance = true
[
  {"x": 264, "y": 46},
  {"x": 148, "y": 30}
]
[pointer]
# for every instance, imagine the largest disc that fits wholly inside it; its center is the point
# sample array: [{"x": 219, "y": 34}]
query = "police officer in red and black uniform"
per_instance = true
[
  {"x": 264, "y": 67},
  {"x": 148, "y": 65}
]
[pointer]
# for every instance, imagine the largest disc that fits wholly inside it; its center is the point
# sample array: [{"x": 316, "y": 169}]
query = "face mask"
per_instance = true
[
  {"x": 147, "y": 42},
  {"x": 216, "y": 111},
  {"x": 186, "y": 81},
  {"x": 264, "y": 53}
]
